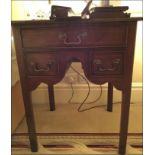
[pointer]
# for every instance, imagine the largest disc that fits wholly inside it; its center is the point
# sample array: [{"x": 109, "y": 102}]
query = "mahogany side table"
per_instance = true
[{"x": 105, "y": 47}]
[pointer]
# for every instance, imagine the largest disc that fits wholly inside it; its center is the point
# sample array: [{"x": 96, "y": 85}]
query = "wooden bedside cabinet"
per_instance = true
[{"x": 105, "y": 47}]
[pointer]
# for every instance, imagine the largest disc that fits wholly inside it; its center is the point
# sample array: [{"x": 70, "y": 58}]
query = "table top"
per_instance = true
[{"x": 74, "y": 20}]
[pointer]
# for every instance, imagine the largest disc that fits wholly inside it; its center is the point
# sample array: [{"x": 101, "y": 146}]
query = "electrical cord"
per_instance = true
[
  {"x": 88, "y": 87},
  {"x": 72, "y": 85},
  {"x": 84, "y": 101},
  {"x": 98, "y": 98}
]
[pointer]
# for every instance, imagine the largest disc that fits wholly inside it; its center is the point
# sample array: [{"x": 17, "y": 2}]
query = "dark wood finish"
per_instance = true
[
  {"x": 110, "y": 97},
  {"x": 65, "y": 35},
  {"x": 105, "y": 47},
  {"x": 26, "y": 92},
  {"x": 51, "y": 97},
  {"x": 42, "y": 64},
  {"x": 30, "y": 119},
  {"x": 126, "y": 91},
  {"x": 107, "y": 64}
]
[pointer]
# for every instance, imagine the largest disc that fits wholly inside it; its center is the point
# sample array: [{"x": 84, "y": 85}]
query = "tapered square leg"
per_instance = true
[
  {"x": 110, "y": 97},
  {"x": 124, "y": 120},
  {"x": 51, "y": 97},
  {"x": 30, "y": 120}
]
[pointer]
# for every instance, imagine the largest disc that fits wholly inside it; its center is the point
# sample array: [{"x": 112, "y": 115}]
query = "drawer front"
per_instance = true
[
  {"x": 103, "y": 63},
  {"x": 53, "y": 37},
  {"x": 108, "y": 35},
  {"x": 40, "y": 64},
  {"x": 75, "y": 36}
]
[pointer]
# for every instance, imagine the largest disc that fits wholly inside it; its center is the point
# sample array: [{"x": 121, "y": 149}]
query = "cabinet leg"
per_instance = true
[
  {"x": 124, "y": 120},
  {"x": 30, "y": 120},
  {"x": 110, "y": 97},
  {"x": 51, "y": 97}
]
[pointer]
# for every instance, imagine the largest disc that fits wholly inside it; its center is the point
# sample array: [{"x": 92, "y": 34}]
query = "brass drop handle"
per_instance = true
[
  {"x": 42, "y": 68},
  {"x": 101, "y": 68},
  {"x": 78, "y": 38}
]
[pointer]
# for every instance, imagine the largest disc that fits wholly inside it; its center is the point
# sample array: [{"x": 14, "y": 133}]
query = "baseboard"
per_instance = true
[{"x": 63, "y": 93}]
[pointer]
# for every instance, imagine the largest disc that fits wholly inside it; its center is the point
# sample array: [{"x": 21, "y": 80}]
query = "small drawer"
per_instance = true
[
  {"x": 79, "y": 35},
  {"x": 54, "y": 36},
  {"x": 42, "y": 64},
  {"x": 108, "y": 35},
  {"x": 103, "y": 63}
]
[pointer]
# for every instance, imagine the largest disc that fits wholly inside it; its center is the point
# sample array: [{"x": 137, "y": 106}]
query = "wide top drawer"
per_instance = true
[{"x": 105, "y": 35}]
